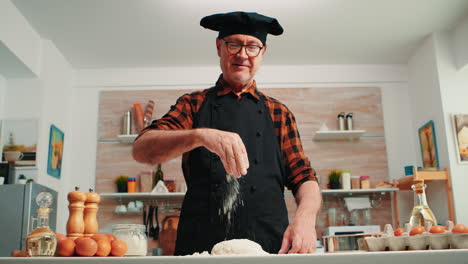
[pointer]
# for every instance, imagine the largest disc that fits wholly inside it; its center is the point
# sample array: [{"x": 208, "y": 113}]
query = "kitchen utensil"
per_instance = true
[
  {"x": 145, "y": 220},
  {"x": 150, "y": 221},
  {"x": 156, "y": 230}
]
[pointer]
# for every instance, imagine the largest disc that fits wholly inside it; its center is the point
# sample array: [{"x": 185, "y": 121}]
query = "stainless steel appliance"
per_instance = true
[
  {"x": 18, "y": 207},
  {"x": 347, "y": 238},
  {"x": 6, "y": 171}
]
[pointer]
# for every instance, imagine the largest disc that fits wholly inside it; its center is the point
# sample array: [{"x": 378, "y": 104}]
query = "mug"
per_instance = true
[
  {"x": 121, "y": 209},
  {"x": 12, "y": 155}
]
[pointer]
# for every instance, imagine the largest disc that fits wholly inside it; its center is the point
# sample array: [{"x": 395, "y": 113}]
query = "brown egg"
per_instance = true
[
  {"x": 60, "y": 236},
  {"x": 98, "y": 237},
  {"x": 398, "y": 232},
  {"x": 119, "y": 248},
  {"x": 111, "y": 237},
  {"x": 66, "y": 247},
  {"x": 460, "y": 228},
  {"x": 86, "y": 247},
  {"x": 104, "y": 248},
  {"x": 437, "y": 229},
  {"x": 417, "y": 230}
]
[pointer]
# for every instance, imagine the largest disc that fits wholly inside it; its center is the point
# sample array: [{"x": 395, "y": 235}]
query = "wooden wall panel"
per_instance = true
[{"x": 312, "y": 107}]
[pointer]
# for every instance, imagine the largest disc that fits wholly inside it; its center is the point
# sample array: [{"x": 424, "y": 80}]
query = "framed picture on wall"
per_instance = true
[
  {"x": 54, "y": 161},
  {"x": 460, "y": 122},
  {"x": 428, "y": 143}
]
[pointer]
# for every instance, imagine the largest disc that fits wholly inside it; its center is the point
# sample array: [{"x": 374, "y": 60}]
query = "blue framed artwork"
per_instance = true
[
  {"x": 54, "y": 161},
  {"x": 428, "y": 143}
]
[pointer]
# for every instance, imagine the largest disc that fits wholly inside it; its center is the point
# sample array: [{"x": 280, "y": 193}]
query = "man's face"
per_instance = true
[{"x": 239, "y": 69}]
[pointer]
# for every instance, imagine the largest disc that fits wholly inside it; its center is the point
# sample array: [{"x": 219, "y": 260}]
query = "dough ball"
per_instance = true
[{"x": 238, "y": 247}]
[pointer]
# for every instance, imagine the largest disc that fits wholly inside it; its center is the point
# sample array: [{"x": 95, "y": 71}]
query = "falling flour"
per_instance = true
[{"x": 230, "y": 197}]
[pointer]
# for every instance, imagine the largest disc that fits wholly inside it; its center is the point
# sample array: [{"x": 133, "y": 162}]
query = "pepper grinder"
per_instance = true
[
  {"x": 75, "y": 224},
  {"x": 90, "y": 213}
]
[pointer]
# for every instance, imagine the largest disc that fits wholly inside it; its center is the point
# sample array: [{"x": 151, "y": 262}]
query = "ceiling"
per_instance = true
[{"x": 155, "y": 33}]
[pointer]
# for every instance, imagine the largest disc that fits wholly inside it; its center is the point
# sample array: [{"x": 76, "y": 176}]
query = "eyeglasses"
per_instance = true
[{"x": 251, "y": 50}]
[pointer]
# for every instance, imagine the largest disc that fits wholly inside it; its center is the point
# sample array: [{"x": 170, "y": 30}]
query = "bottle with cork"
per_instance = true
[{"x": 421, "y": 213}]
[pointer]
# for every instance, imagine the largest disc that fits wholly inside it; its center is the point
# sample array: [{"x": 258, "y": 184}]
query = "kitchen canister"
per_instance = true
[
  {"x": 341, "y": 121},
  {"x": 355, "y": 182},
  {"x": 134, "y": 236},
  {"x": 127, "y": 123},
  {"x": 349, "y": 121},
  {"x": 365, "y": 182},
  {"x": 346, "y": 179}
]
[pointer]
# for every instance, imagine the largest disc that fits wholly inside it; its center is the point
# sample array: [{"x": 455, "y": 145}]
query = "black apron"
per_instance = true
[{"x": 262, "y": 217}]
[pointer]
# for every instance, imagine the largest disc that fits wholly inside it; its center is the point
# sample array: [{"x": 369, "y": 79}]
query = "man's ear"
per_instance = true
[
  {"x": 264, "y": 49},
  {"x": 218, "y": 46}
]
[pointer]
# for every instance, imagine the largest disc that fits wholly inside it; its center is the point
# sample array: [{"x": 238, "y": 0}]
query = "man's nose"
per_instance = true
[{"x": 242, "y": 53}]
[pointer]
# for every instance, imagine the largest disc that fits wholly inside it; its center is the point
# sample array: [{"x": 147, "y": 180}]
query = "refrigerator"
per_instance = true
[{"x": 18, "y": 207}]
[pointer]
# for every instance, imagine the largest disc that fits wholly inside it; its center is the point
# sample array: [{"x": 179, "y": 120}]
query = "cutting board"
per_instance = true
[{"x": 168, "y": 234}]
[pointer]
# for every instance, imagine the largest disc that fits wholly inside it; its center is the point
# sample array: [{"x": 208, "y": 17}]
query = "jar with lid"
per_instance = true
[
  {"x": 135, "y": 237},
  {"x": 355, "y": 182},
  {"x": 346, "y": 179},
  {"x": 365, "y": 182}
]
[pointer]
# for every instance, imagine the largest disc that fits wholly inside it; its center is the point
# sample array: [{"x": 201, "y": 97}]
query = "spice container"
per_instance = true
[
  {"x": 355, "y": 182},
  {"x": 134, "y": 236},
  {"x": 345, "y": 179},
  {"x": 365, "y": 182},
  {"x": 170, "y": 184},
  {"x": 131, "y": 185}
]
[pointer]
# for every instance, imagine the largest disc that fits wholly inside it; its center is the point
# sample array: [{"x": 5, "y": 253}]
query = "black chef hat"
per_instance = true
[{"x": 252, "y": 24}]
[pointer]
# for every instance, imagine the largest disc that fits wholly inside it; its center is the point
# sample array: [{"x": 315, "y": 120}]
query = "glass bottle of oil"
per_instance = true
[
  {"x": 42, "y": 242},
  {"x": 421, "y": 213},
  {"x": 158, "y": 175}
]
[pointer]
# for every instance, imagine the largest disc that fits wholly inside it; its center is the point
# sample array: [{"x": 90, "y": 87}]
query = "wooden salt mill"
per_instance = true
[
  {"x": 90, "y": 213},
  {"x": 75, "y": 224}
]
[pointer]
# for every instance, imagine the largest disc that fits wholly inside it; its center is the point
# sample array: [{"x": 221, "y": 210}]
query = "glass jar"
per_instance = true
[{"x": 134, "y": 236}]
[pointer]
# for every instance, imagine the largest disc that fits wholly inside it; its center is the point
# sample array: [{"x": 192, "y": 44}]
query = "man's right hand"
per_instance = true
[{"x": 229, "y": 147}]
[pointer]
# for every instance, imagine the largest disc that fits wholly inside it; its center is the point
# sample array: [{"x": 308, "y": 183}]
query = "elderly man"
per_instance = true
[{"x": 234, "y": 129}]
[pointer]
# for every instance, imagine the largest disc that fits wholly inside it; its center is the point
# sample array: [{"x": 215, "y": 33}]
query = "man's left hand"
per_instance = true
[{"x": 299, "y": 237}]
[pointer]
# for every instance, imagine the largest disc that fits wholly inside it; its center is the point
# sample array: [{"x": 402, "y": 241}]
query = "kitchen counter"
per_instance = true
[{"x": 387, "y": 257}]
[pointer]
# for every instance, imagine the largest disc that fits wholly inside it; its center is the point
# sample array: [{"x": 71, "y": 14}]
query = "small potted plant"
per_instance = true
[
  {"x": 121, "y": 182},
  {"x": 334, "y": 179}
]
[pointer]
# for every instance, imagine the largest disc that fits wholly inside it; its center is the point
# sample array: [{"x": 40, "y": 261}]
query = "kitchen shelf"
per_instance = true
[
  {"x": 143, "y": 196},
  {"x": 338, "y": 135},
  {"x": 127, "y": 139},
  {"x": 351, "y": 191}
]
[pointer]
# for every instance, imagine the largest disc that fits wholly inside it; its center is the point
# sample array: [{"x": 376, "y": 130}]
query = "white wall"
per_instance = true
[
  {"x": 454, "y": 94},
  {"x": 426, "y": 105},
  {"x": 2, "y": 96},
  {"x": 459, "y": 44},
  {"x": 19, "y": 37},
  {"x": 56, "y": 78}
]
